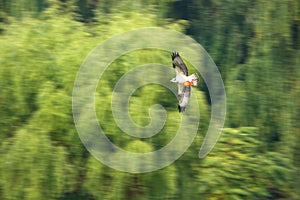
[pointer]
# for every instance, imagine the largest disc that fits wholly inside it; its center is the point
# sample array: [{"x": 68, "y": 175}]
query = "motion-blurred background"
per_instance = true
[{"x": 256, "y": 46}]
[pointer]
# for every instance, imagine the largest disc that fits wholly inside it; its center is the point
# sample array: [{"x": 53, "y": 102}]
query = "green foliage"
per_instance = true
[
  {"x": 30, "y": 169},
  {"x": 246, "y": 170},
  {"x": 105, "y": 183},
  {"x": 256, "y": 45}
]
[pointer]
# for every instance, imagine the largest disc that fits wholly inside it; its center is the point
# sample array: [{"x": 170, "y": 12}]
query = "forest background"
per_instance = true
[{"x": 256, "y": 46}]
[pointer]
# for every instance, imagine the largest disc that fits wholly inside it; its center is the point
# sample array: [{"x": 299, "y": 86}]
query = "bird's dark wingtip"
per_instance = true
[
  {"x": 174, "y": 55},
  {"x": 181, "y": 109}
]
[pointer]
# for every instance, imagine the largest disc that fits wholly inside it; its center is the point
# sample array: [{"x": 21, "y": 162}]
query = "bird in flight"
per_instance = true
[{"x": 183, "y": 80}]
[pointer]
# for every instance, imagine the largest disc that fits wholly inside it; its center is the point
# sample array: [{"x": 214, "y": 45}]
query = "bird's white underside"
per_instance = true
[{"x": 181, "y": 78}]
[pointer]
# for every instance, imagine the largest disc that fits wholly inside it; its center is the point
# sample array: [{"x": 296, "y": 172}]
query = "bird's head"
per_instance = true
[{"x": 187, "y": 83}]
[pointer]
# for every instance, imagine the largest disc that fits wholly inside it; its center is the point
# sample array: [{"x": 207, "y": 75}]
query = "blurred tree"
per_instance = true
[
  {"x": 255, "y": 45},
  {"x": 105, "y": 183},
  {"x": 245, "y": 170},
  {"x": 268, "y": 57},
  {"x": 30, "y": 170}
]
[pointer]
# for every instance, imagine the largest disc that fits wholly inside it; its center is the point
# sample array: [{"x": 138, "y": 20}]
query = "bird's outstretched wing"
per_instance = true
[
  {"x": 184, "y": 93},
  {"x": 178, "y": 64},
  {"x": 181, "y": 74}
]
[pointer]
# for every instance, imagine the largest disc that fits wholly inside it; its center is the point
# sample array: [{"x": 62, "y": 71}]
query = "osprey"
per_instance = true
[{"x": 184, "y": 81}]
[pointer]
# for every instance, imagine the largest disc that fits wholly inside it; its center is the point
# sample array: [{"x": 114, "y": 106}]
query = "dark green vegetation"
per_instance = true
[{"x": 255, "y": 44}]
